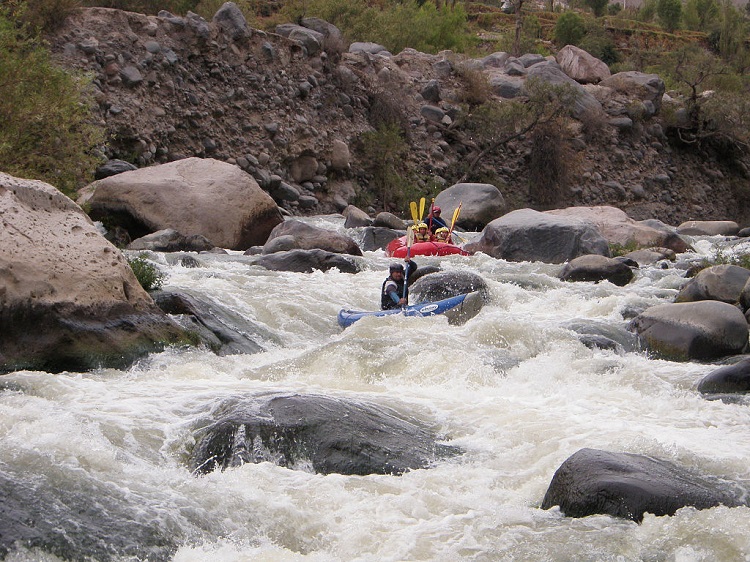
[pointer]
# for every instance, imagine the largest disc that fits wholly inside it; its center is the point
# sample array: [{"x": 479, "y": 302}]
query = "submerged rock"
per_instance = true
[
  {"x": 318, "y": 433},
  {"x": 626, "y": 485}
]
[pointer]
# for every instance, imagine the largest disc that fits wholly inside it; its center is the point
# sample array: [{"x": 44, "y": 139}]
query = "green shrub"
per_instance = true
[
  {"x": 569, "y": 29},
  {"x": 148, "y": 275},
  {"x": 552, "y": 163},
  {"x": 669, "y": 13},
  {"x": 386, "y": 151},
  {"x": 46, "y": 130}
]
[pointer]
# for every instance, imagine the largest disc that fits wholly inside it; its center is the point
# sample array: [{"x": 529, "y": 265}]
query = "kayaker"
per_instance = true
[
  {"x": 422, "y": 233},
  {"x": 435, "y": 221},
  {"x": 392, "y": 294},
  {"x": 441, "y": 235}
]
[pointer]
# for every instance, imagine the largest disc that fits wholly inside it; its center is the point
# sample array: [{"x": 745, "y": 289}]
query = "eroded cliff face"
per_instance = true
[{"x": 293, "y": 115}]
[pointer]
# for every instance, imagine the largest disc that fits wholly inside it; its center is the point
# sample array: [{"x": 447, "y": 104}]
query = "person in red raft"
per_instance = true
[
  {"x": 434, "y": 221},
  {"x": 442, "y": 234},
  {"x": 392, "y": 295}
]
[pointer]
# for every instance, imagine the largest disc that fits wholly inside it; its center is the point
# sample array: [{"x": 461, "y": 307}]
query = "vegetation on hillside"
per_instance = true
[
  {"x": 699, "y": 47},
  {"x": 45, "y": 123}
]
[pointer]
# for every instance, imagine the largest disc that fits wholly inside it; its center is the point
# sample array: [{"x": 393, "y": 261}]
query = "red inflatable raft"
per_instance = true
[{"x": 397, "y": 249}]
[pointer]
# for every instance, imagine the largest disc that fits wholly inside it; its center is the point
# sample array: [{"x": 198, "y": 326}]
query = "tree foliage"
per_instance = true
[
  {"x": 494, "y": 124},
  {"x": 569, "y": 29},
  {"x": 598, "y": 7},
  {"x": 713, "y": 114},
  {"x": 669, "y": 13},
  {"x": 45, "y": 127}
]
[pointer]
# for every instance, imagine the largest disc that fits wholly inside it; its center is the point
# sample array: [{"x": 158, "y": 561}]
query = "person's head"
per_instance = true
[
  {"x": 436, "y": 211},
  {"x": 422, "y": 228},
  {"x": 396, "y": 270},
  {"x": 441, "y": 233}
]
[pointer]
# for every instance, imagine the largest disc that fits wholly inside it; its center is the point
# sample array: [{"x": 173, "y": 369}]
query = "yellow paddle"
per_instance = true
[
  {"x": 409, "y": 242},
  {"x": 414, "y": 216},
  {"x": 453, "y": 222},
  {"x": 421, "y": 209}
]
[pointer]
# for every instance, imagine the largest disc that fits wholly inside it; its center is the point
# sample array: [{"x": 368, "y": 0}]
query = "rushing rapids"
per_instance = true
[{"x": 100, "y": 461}]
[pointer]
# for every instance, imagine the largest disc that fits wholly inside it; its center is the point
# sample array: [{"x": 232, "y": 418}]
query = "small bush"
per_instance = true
[
  {"x": 148, "y": 275},
  {"x": 476, "y": 88},
  {"x": 552, "y": 163}
]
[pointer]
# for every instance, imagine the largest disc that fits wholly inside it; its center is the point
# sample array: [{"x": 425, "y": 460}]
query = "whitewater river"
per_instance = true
[{"x": 514, "y": 388}]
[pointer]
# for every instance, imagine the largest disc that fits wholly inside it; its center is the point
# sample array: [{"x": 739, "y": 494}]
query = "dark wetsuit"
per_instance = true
[
  {"x": 435, "y": 223},
  {"x": 390, "y": 284}
]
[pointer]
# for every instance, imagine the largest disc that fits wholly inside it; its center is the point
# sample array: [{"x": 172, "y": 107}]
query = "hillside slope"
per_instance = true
[{"x": 170, "y": 87}]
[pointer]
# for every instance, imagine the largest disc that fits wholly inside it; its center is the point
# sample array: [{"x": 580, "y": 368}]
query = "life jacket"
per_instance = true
[{"x": 386, "y": 302}]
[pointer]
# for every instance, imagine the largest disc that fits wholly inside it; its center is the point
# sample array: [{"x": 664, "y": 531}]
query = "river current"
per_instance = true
[{"x": 514, "y": 387}]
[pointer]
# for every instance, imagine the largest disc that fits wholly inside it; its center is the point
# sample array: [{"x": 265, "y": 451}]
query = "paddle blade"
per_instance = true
[
  {"x": 414, "y": 215},
  {"x": 421, "y": 208},
  {"x": 409, "y": 237},
  {"x": 455, "y": 215}
]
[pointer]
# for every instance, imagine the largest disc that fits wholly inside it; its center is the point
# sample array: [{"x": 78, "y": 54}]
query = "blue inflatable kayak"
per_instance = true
[{"x": 457, "y": 309}]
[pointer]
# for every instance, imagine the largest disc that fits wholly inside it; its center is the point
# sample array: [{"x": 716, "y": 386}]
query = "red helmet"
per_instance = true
[{"x": 436, "y": 210}]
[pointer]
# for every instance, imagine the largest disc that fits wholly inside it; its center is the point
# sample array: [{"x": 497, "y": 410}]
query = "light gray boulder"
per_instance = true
[
  {"x": 308, "y": 237},
  {"x": 230, "y": 19},
  {"x": 709, "y": 228},
  {"x": 702, "y": 330},
  {"x": 193, "y": 196},
  {"x": 618, "y": 228},
  {"x": 68, "y": 298},
  {"x": 480, "y": 203},
  {"x": 354, "y": 217},
  {"x": 551, "y": 73},
  {"x": 528, "y": 235},
  {"x": 719, "y": 282},
  {"x": 581, "y": 66}
]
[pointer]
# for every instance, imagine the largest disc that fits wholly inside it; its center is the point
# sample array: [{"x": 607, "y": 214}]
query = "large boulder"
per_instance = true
[
  {"x": 581, "y": 66},
  {"x": 480, "y": 203},
  {"x": 718, "y": 282},
  {"x": 528, "y": 235},
  {"x": 219, "y": 328},
  {"x": 625, "y": 485},
  {"x": 701, "y": 330},
  {"x": 727, "y": 379},
  {"x": 619, "y": 229},
  {"x": 594, "y": 267},
  {"x": 192, "y": 196},
  {"x": 328, "y": 435},
  {"x": 445, "y": 284},
  {"x": 297, "y": 235},
  {"x": 551, "y": 73},
  {"x": 68, "y": 298}
]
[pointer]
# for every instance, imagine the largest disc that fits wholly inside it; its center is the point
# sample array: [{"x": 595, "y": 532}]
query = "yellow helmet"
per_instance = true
[
  {"x": 441, "y": 229},
  {"x": 421, "y": 225}
]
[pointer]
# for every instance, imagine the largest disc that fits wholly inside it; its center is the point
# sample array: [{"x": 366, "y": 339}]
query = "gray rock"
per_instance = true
[
  {"x": 625, "y": 485},
  {"x": 528, "y": 235},
  {"x": 702, "y": 330}
]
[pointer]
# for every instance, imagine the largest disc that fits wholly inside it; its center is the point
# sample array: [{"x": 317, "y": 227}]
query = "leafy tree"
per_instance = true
[
  {"x": 495, "y": 124},
  {"x": 700, "y": 15},
  {"x": 714, "y": 116},
  {"x": 669, "y": 13},
  {"x": 45, "y": 121},
  {"x": 569, "y": 29},
  {"x": 598, "y": 7}
]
